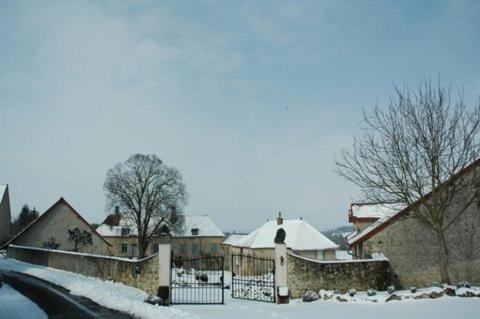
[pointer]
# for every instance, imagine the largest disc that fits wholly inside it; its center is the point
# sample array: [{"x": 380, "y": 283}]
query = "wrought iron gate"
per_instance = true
[
  {"x": 253, "y": 278},
  {"x": 197, "y": 281}
]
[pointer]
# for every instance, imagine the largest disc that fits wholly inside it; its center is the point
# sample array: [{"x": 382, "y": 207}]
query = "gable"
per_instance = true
[{"x": 56, "y": 222}]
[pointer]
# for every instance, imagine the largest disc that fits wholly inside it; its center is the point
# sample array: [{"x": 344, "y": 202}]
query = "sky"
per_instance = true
[{"x": 251, "y": 100}]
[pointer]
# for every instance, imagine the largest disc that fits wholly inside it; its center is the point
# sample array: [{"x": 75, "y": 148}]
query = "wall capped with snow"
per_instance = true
[
  {"x": 141, "y": 274},
  {"x": 305, "y": 274}
]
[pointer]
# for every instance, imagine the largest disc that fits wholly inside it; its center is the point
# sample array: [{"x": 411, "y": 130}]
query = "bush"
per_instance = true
[
  {"x": 352, "y": 292},
  {"x": 371, "y": 292},
  {"x": 413, "y": 290},
  {"x": 310, "y": 296}
]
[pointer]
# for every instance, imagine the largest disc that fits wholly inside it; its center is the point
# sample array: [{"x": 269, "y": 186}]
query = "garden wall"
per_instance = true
[
  {"x": 308, "y": 274},
  {"x": 142, "y": 274}
]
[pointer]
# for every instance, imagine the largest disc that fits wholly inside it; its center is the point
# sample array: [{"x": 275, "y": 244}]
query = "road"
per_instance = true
[{"x": 56, "y": 301}]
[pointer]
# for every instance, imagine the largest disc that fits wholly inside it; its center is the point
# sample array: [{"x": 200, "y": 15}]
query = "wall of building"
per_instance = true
[
  {"x": 141, "y": 274},
  {"x": 326, "y": 255},
  {"x": 5, "y": 217},
  {"x": 305, "y": 274},
  {"x": 56, "y": 225},
  {"x": 412, "y": 249}
]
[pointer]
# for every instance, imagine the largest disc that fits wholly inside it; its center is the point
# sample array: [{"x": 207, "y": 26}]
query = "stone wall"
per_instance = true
[
  {"x": 307, "y": 274},
  {"x": 142, "y": 274}
]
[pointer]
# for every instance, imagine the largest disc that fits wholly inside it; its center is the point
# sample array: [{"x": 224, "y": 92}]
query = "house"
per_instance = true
[
  {"x": 197, "y": 237},
  {"x": 412, "y": 248},
  {"x": 301, "y": 238},
  {"x": 228, "y": 245},
  {"x": 4, "y": 213},
  {"x": 51, "y": 228}
]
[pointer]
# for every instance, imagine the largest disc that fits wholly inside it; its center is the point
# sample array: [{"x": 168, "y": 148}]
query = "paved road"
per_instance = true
[{"x": 56, "y": 301}]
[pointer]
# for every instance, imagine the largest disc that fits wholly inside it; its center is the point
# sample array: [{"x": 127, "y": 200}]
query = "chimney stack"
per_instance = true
[
  {"x": 279, "y": 219},
  {"x": 117, "y": 210}
]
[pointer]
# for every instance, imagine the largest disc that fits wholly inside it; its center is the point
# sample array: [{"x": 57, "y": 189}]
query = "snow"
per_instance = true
[
  {"x": 15, "y": 305},
  {"x": 300, "y": 236},
  {"x": 356, "y": 235},
  {"x": 366, "y": 210},
  {"x": 130, "y": 300},
  {"x": 233, "y": 239},
  {"x": 205, "y": 225}
]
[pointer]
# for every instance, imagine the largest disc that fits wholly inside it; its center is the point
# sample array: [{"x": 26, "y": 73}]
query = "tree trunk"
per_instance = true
[
  {"x": 443, "y": 257},
  {"x": 142, "y": 248}
]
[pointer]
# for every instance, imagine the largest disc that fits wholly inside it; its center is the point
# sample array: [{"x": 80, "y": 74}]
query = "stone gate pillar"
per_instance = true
[
  {"x": 164, "y": 267},
  {"x": 282, "y": 291}
]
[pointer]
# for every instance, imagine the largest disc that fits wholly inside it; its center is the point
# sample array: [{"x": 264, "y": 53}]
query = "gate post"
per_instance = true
[
  {"x": 164, "y": 268},
  {"x": 282, "y": 292}
]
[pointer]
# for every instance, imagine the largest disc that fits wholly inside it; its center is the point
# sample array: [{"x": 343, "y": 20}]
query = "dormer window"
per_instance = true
[
  {"x": 125, "y": 231},
  {"x": 194, "y": 231}
]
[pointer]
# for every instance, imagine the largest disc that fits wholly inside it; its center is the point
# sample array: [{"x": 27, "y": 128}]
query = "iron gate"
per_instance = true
[
  {"x": 197, "y": 281},
  {"x": 253, "y": 278}
]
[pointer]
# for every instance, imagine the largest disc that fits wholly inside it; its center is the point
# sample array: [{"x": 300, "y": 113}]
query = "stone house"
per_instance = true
[
  {"x": 301, "y": 238},
  {"x": 5, "y": 215},
  {"x": 52, "y": 227},
  {"x": 411, "y": 248},
  {"x": 228, "y": 245},
  {"x": 198, "y": 237}
]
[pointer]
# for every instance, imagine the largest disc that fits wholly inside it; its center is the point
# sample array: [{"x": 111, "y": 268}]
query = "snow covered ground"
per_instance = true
[
  {"x": 15, "y": 305},
  {"x": 130, "y": 300}
]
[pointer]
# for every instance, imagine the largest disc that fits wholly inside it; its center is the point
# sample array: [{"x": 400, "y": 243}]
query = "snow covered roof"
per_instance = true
[
  {"x": 233, "y": 239},
  {"x": 202, "y": 223},
  {"x": 300, "y": 236},
  {"x": 206, "y": 227},
  {"x": 373, "y": 211}
]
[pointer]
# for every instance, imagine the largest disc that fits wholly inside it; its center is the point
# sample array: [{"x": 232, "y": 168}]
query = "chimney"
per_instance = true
[
  {"x": 279, "y": 219},
  {"x": 117, "y": 210}
]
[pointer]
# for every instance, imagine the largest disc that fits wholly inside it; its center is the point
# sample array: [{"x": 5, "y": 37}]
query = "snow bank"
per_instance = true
[{"x": 106, "y": 293}]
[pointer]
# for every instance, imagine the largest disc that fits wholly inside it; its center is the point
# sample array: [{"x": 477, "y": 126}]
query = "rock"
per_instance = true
[
  {"x": 391, "y": 289},
  {"x": 422, "y": 296},
  {"x": 463, "y": 284},
  {"x": 327, "y": 296},
  {"x": 352, "y": 292},
  {"x": 449, "y": 291},
  {"x": 310, "y": 296},
  {"x": 371, "y": 292},
  {"x": 154, "y": 300},
  {"x": 435, "y": 294},
  {"x": 466, "y": 293},
  {"x": 336, "y": 292},
  {"x": 413, "y": 290},
  {"x": 341, "y": 299},
  {"x": 393, "y": 297}
]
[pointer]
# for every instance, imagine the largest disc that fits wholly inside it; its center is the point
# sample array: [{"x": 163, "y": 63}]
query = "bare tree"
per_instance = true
[
  {"x": 414, "y": 152},
  {"x": 148, "y": 193}
]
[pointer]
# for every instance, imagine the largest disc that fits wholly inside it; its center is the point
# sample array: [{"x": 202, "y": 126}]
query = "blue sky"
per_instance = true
[{"x": 250, "y": 100}]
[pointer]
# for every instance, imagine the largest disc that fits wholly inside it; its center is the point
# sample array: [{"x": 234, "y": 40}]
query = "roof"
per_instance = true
[
  {"x": 372, "y": 211},
  {"x": 300, "y": 236},
  {"x": 205, "y": 226},
  {"x": 382, "y": 223},
  {"x": 48, "y": 212},
  {"x": 233, "y": 239}
]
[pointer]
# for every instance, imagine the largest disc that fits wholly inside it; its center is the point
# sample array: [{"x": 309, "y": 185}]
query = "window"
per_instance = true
[
  {"x": 125, "y": 231},
  {"x": 124, "y": 248},
  {"x": 319, "y": 254},
  {"x": 213, "y": 248},
  {"x": 194, "y": 231},
  {"x": 183, "y": 248},
  {"x": 194, "y": 249},
  {"x": 154, "y": 248}
]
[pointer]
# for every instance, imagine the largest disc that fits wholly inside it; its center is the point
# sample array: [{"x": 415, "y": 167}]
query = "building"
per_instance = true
[
  {"x": 301, "y": 239},
  {"x": 197, "y": 237},
  {"x": 5, "y": 215},
  {"x": 412, "y": 248},
  {"x": 50, "y": 229},
  {"x": 228, "y": 245}
]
